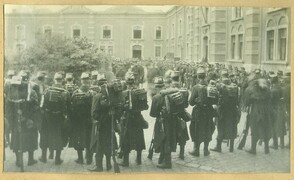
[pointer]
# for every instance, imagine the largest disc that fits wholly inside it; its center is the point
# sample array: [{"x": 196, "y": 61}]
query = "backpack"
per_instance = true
[
  {"x": 80, "y": 98},
  {"x": 212, "y": 92},
  {"x": 139, "y": 99},
  {"x": 177, "y": 99},
  {"x": 55, "y": 97}
]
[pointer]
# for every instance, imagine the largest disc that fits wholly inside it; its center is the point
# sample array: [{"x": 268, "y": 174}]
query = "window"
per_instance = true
[
  {"x": 48, "y": 31},
  {"x": 282, "y": 44},
  {"x": 233, "y": 46},
  {"x": 20, "y": 32},
  {"x": 106, "y": 32},
  {"x": 240, "y": 46},
  {"x": 76, "y": 33},
  {"x": 158, "y": 32},
  {"x": 237, "y": 12},
  {"x": 270, "y": 45},
  {"x": 110, "y": 50},
  {"x": 137, "y": 32},
  {"x": 157, "y": 51},
  {"x": 205, "y": 13}
]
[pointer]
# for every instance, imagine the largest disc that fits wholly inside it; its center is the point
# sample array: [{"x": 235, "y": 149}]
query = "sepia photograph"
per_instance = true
[{"x": 146, "y": 89}]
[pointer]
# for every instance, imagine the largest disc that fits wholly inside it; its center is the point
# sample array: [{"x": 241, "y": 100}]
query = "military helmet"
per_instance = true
[
  {"x": 158, "y": 82},
  {"x": 69, "y": 76},
  {"x": 101, "y": 77},
  {"x": 175, "y": 74},
  {"x": 16, "y": 80},
  {"x": 85, "y": 75},
  {"x": 58, "y": 76},
  {"x": 10, "y": 73},
  {"x": 130, "y": 76},
  {"x": 200, "y": 70},
  {"x": 94, "y": 73},
  {"x": 272, "y": 74}
]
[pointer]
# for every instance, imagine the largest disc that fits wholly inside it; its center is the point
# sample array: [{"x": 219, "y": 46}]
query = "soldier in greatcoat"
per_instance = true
[
  {"x": 22, "y": 104},
  {"x": 55, "y": 107},
  {"x": 81, "y": 124}
]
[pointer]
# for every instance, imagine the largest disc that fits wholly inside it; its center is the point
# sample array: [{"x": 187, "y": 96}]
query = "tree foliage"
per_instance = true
[{"x": 57, "y": 53}]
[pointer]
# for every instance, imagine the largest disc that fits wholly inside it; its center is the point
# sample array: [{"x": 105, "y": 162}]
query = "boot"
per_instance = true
[
  {"x": 253, "y": 146},
  {"x": 89, "y": 156},
  {"x": 161, "y": 158},
  {"x": 167, "y": 162},
  {"x": 282, "y": 142},
  {"x": 80, "y": 159},
  {"x": 266, "y": 147},
  {"x": 98, "y": 167},
  {"x": 51, "y": 154},
  {"x": 231, "y": 145},
  {"x": 125, "y": 162},
  {"x": 139, "y": 157},
  {"x": 58, "y": 160},
  {"x": 108, "y": 163},
  {"x": 17, "y": 160},
  {"x": 206, "y": 151},
  {"x": 218, "y": 147},
  {"x": 43, "y": 158},
  {"x": 195, "y": 151},
  {"x": 275, "y": 143},
  {"x": 31, "y": 160},
  {"x": 182, "y": 151}
]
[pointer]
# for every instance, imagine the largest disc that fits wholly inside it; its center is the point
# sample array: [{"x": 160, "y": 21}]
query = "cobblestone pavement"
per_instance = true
[{"x": 237, "y": 162}]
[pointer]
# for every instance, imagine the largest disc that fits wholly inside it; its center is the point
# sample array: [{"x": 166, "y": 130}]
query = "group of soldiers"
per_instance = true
[{"x": 88, "y": 117}]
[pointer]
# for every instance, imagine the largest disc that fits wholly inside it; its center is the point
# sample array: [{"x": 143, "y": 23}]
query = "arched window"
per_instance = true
[{"x": 282, "y": 39}]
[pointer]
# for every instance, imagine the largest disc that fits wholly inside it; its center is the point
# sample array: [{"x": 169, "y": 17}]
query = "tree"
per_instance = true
[{"x": 57, "y": 53}]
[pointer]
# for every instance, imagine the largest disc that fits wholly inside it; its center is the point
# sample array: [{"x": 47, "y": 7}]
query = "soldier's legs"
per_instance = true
[
  {"x": 80, "y": 159},
  {"x": 89, "y": 156},
  {"x": 31, "y": 160},
  {"x": 195, "y": 151},
  {"x": 206, "y": 151},
  {"x": 182, "y": 151},
  {"x": 125, "y": 161},
  {"x": 253, "y": 145},
  {"x": 218, "y": 147},
  {"x": 51, "y": 153},
  {"x": 231, "y": 145},
  {"x": 266, "y": 146},
  {"x": 275, "y": 142},
  {"x": 58, "y": 160},
  {"x": 166, "y": 163},
  {"x": 99, "y": 160},
  {"x": 161, "y": 155},
  {"x": 43, "y": 157},
  {"x": 139, "y": 157},
  {"x": 282, "y": 142},
  {"x": 108, "y": 162}
]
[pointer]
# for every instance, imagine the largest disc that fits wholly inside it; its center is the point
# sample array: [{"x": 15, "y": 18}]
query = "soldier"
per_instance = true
[
  {"x": 94, "y": 84},
  {"x": 202, "y": 126},
  {"x": 7, "y": 83},
  {"x": 101, "y": 131},
  {"x": 278, "y": 112},
  {"x": 133, "y": 124},
  {"x": 287, "y": 99},
  {"x": 183, "y": 135},
  {"x": 55, "y": 106},
  {"x": 21, "y": 107},
  {"x": 69, "y": 84},
  {"x": 228, "y": 112},
  {"x": 158, "y": 85},
  {"x": 81, "y": 124},
  {"x": 257, "y": 99}
]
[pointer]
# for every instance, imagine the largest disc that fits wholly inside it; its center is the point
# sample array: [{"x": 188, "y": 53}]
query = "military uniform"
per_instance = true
[
  {"x": 80, "y": 122},
  {"x": 55, "y": 106},
  {"x": 22, "y": 103},
  {"x": 202, "y": 125}
]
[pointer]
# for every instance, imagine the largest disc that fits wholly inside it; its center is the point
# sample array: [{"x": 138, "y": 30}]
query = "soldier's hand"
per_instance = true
[{"x": 214, "y": 106}]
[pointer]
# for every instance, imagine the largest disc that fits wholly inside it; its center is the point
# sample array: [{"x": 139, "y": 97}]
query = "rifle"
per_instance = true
[
  {"x": 19, "y": 128},
  {"x": 151, "y": 147},
  {"x": 244, "y": 133},
  {"x": 115, "y": 164}
]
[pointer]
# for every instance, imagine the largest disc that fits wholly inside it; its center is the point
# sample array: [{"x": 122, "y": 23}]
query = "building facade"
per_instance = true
[{"x": 248, "y": 37}]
